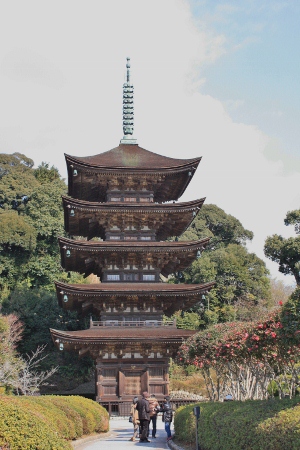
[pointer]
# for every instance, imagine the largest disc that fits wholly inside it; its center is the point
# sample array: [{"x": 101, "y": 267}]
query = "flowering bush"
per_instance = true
[{"x": 246, "y": 357}]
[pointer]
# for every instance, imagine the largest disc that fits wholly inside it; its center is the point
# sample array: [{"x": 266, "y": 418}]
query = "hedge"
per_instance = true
[
  {"x": 251, "y": 425},
  {"x": 48, "y": 422}
]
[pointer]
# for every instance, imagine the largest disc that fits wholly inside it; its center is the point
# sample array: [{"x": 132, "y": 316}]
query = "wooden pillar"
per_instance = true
[
  {"x": 145, "y": 381},
  {"x": 121, "y": 383}
]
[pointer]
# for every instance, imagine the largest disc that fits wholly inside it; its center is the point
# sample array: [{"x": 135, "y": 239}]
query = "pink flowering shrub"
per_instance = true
[{"x": 245, "y": 357}]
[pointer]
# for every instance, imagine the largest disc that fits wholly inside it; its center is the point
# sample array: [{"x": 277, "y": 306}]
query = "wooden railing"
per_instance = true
[
  {"x": 122, "y": 408},
  {"x": 133, "y": 323}
]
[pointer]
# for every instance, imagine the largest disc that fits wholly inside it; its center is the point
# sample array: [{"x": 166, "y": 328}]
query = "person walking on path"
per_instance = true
[
  {"x": 135, "y": 418},
  {"x": 117, "y": 438},
  {"x": 154, "y": 407},
  {"x": 144, "y": 416},
  {"x": 167, "y": 411}
]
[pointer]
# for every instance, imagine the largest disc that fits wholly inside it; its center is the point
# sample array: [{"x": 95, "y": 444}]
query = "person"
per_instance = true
[
  {"x": 144, "y": 416},
  {"x": 166, "y": 409},
  {"x": 154, "y": 407},
  {"x": 135, "y": 418}
]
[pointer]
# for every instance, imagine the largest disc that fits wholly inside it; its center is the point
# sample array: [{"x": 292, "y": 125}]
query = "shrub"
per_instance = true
[
  {"x": 268, "y": 424},
  {"x": 48, "y": 422},
  {"x": 185, "y": 425},
  {"x": 84, "y": 411},
  {"x": 22, "y": 430},
  {"x": 53, "y": 414},
  {"x": 71, "y": 415},
  {"x": 95, "y": 417}
]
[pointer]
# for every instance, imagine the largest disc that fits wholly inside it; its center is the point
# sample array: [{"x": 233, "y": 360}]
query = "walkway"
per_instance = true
[{"x": 118, "y": 437}]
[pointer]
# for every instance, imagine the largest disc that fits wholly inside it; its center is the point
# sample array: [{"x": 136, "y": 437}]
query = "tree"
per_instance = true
[
  {"x": 293, "y": 218},
  {"x": 241, "y": 277},
  {"x": 247, "y": 357},
  {"x": 237, "y": 273},
  {"x": 10, "y": 334},
  {"x": 222, "y": 228},
  {"x": 30, "y": 379},
  {"x": 17, "y": 180},
  {"x": 280, "y": 292},
  {"x": 19, "y": 373},
  {"x": 16, "y": 232},
  {"x": 286, "y": 251},
  {"x": 187, "y": 320},
  {"x": 38, "y": 310},
  {"x": 31, "y": 219}
]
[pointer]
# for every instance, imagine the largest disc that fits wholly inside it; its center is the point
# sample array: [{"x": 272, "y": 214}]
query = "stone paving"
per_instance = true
[{"x": 118, "y": 438}]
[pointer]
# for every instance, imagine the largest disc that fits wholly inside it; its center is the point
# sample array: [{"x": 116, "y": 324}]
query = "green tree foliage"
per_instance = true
[
  {"x": 44, "y": 213},
  {"x": 293, "y": 218},
  {"x": 187, "y": 320},
  {"x": 38, "y": 310},
  {"x": 17, "y": 180},
  {"x": 286, "y": 251},
  {"x": 240, "y": 276},
  {"x": 222, "y": 228},
  {"x": 16, "y": 232},
  {"x": 31, "y": 219},
  {"x": 291, "y": 320},
  {"x": 45, "y": 174}
]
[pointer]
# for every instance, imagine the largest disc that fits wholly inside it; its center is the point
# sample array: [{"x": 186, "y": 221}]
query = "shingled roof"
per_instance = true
[
  {"x": 94, "y": 219},
  {"x": 99, "y": 334},
  {"x": 125, "y": 246},
  {"x": 132, "y": 157},
  {"x": 159, "y": 289},
  {"x": 90, "y": 256},
  {"x": 94, "y": 297}
]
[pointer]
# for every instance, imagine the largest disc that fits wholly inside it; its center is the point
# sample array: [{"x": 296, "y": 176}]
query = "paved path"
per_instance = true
[{"x": 118, "y": 438}]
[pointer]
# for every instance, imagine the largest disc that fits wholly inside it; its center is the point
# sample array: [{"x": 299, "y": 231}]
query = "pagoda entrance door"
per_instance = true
[{"x": 132, "y": 382}]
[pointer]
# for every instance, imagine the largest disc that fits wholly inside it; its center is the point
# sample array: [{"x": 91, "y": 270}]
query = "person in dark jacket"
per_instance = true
[
  {"x": 144, "y": 416},
  {"x": 167, "y": 411}
]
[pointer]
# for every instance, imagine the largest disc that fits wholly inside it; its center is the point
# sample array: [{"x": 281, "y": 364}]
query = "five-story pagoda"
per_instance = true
[{"x": 116, "y": 205}]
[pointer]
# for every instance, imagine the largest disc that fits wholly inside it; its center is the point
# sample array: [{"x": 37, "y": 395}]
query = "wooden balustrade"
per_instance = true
[{"x": 133, "y": 323}]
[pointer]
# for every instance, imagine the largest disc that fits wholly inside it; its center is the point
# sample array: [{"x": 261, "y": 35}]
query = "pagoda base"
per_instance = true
[{"x": 123, "y": 380}]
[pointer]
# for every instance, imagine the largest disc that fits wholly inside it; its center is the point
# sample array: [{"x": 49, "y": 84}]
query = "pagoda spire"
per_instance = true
[{"x": 128, "y": 109}]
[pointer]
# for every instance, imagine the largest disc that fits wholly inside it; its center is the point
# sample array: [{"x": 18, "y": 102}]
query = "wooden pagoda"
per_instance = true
[{"x": 118, "y": 223}]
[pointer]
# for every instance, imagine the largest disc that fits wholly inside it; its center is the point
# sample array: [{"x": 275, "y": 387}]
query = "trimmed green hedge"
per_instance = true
[
  {"x": 252, "y": 425},
  {"x": 48, "y": 422}
]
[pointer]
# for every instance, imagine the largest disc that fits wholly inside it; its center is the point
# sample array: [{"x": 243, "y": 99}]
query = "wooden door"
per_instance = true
[{"x": 132, "y": 383}]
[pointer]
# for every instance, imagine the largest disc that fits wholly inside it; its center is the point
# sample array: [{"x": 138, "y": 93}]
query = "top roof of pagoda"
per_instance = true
[{"x": 132, "y": 157}]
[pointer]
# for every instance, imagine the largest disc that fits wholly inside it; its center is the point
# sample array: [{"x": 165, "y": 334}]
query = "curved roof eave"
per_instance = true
[
  {"x": 134, "y": 159},
  {"x": 161, "y": 289},
  {"x": 137, "y": 245},
  {"x": 100, "y": 335},
  {"x": 85, "y": 205}
]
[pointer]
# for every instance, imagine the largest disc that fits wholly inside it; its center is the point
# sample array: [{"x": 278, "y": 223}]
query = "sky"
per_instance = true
[{"x": 217, "y": 79}]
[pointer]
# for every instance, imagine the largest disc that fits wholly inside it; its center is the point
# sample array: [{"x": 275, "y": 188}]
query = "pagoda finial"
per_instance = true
[
  {"x": 128, "y": 69},
  {"x": 128, "y": 109}
]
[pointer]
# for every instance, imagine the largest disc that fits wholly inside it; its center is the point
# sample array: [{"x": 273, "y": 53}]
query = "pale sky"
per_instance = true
[{"x": 217, "y": 79}]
